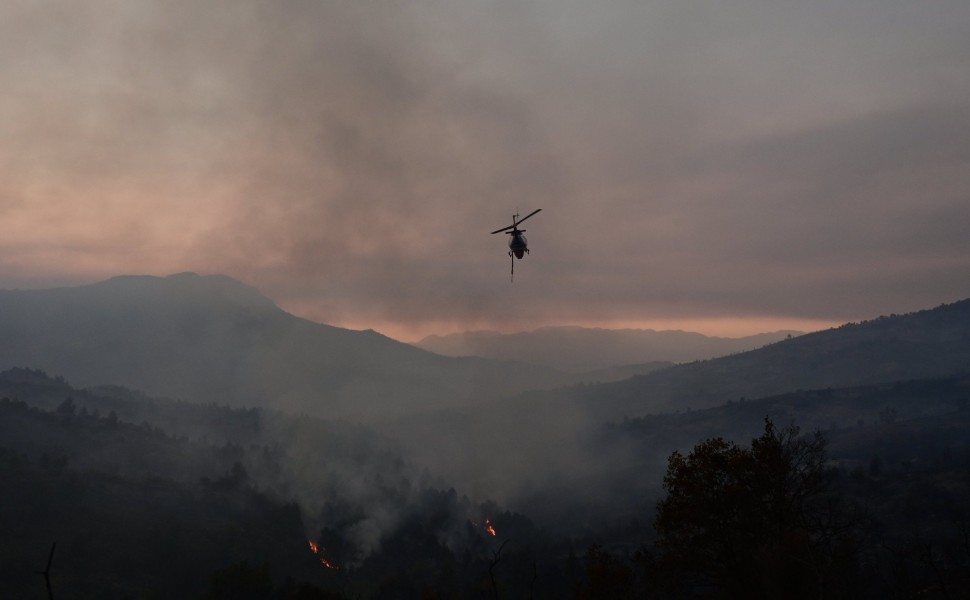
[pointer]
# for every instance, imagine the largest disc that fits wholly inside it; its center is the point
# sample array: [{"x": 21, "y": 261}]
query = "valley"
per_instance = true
[{"x": 350, "y": 465}]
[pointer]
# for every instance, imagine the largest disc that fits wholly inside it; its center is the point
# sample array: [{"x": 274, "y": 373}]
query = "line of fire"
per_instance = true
[{"x": 321, "y": 553}]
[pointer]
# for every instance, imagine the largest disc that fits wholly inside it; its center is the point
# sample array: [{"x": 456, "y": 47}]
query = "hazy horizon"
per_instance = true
[{"x": 727, "y": 328}]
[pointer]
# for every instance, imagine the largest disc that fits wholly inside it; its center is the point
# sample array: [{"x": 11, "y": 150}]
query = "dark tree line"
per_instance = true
[{"x": 772, "y": 519}]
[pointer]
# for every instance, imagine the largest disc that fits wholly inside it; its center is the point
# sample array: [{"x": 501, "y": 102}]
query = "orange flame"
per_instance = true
[
  {"x": 316, "y": 549},
  {"x": 489, "y": 528}
]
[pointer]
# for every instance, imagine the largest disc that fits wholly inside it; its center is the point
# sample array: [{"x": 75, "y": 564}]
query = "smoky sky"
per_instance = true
[{"x": 737, "y": 160}]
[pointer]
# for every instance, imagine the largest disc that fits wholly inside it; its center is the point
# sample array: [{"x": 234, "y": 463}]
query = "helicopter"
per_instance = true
[{"x": 518, "y": 245}]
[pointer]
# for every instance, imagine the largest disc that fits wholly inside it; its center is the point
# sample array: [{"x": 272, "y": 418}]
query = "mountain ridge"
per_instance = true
[
  {"x": 213, "y": 339},
  {"x": 928, "y": 343},
  {"x": 578, "y": 349}
]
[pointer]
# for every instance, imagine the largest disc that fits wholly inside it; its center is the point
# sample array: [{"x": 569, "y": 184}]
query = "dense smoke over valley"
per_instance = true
[
  {"x": 495, "y": 429},
  {"x": 541, "y": 469},
  {"x": 213, "y": 340}
]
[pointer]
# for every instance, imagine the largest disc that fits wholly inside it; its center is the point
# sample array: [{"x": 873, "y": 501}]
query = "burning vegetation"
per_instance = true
[
  {"x": 321, "y": 556},
  {"x": 486, "y": 528}
]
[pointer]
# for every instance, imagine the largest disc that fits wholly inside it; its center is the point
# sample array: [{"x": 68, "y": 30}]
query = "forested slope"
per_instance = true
[{"x": 925, "y": 344}]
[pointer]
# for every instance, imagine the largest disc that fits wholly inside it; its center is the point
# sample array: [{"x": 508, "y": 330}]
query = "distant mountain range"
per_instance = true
[
  {"x": 581, "y": 349},
  {"x": 927, "y": 344},
  {"x": 213, "y": 339}
]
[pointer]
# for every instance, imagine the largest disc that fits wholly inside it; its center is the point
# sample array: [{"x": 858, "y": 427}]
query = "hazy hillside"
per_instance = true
[
  {"x": 214, "y": 339},
  {"x": 930, "y": 343},
  {"x": 153, "y": 498},
  {"x": 850, "y": 417},
  {"x": 580, "y": 349},
  {"x": 554, "y": 440}
]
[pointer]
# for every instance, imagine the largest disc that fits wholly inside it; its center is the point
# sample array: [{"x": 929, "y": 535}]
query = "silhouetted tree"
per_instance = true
[{"x": 754, "y": 522}]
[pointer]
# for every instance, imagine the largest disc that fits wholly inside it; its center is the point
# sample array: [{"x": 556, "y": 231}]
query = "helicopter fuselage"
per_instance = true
[{"x": 518, "y": 245}]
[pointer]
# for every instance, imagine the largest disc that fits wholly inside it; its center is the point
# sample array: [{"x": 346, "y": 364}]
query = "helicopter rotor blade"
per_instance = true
[
  {"x": 515, "y": 222},
  {"x": 528, "y": 215}
]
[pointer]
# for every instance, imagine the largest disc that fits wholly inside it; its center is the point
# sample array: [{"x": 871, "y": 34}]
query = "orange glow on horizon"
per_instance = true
[{"x": 731, "y": 327}]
